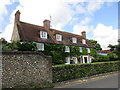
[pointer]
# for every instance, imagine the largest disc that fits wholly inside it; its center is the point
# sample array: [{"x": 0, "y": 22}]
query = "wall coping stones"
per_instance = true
[{"x": 25, "y": 52}]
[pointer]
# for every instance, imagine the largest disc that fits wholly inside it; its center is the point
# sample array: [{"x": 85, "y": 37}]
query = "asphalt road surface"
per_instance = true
[{"x": 110, "y": 81}]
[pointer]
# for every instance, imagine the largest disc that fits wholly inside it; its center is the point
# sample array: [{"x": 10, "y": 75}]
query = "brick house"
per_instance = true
[{"x": 44, "y": 34}]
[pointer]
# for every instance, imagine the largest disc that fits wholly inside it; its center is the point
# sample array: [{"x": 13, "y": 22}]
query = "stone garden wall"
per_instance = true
[{"x": 23, "y": 68}]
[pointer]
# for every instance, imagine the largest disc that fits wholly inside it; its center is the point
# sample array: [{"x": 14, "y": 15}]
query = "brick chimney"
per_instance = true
[
  {"x": 83, "y": 34},
  {"x": 17, "y": 16},
  {"x": 46, "y": 24}
]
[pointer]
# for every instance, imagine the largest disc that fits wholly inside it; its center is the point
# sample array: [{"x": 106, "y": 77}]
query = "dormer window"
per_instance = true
[
  {"x": 83, "y": 41},
  {"x": 67, "y": 49},
  {"x": 43, "y": 34},
  {"x": 74, "y": 40},
  {"x": 58, "y": 37}
]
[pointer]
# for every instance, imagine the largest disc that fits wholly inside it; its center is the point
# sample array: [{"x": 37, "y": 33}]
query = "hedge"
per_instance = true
[{"x": 74, "y": 71}]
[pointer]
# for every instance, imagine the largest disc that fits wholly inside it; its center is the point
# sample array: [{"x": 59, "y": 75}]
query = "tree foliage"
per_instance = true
[
  {"x": 5, "y": 46},
  {"x": 115, "y": 49},
  {"x": 96, "y": 44},
  {"x": 17, "y": 45}
]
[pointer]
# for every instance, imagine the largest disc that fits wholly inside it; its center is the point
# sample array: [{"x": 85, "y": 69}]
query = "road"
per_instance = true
[{"x": 107, "y": 81}]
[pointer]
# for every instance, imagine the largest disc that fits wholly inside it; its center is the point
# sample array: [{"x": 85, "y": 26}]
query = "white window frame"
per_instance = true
[
  {"x": 80, "y": 49},
  {"x": 75, "y": 60},
  {"x": 40, "y": 46},
  {"x": 88, "y": 49},
  {"x": 43, "y": 34},
  {"x": 83, "y": 41},
  {"x": 67, "y": 49},
  {"x": 74, "y": 39},
  {"x": 67, "y": 60},
  {"x": 58, "y": 37}
]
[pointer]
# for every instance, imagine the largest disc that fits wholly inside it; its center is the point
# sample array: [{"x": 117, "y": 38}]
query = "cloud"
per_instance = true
[
  {"x": 7, "y": 33},
  {"x": 82, "y": 26},
  {"x": 105, "y": 35},
  {"x": 93, "y": 6},
  {"x": 40, "y": 10},
  {"x": 85, "y": 21},
  {"x": 59, "y": 11},
  {"x": 35, "y": 11}
]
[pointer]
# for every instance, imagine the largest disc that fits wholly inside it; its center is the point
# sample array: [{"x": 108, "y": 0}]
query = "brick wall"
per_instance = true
[{"x": 23, "y": 68}]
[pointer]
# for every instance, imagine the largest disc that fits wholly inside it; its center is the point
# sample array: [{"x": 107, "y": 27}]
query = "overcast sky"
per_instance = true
[{"x": 99, "y": 18}]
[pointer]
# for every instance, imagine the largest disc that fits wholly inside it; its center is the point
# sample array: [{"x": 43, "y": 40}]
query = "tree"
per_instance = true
[
  {"x": 17, "y": 45},
  {"x": 96, "y": 44},
  {"x": 4, "y": 45},
  {"x": 23, "y": 46},
  {"x": 112, "y": 47},
  {"x": 115, "y": 48}
]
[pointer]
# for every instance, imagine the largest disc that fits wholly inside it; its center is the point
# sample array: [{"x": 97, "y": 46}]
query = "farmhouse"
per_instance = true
[{"x": 45, "y": 34}]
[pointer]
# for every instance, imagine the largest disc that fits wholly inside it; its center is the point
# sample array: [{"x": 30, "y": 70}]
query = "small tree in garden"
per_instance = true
[
  {"x": 18, "y": 45},
  {"x": 5, "y": 45},
  {"x": 23, "y": 46}
]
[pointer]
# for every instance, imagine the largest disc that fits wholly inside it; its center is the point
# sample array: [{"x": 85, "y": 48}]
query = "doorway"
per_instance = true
[{"x": 85, "y": 59}]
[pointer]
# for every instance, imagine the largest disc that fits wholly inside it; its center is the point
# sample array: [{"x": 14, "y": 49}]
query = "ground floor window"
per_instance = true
[
  {"x": 80, "y": 59},
  {"x": 75, "y": 60},
  {"x": 40, "y": 46},
  {"x": 67, "y": 60}
]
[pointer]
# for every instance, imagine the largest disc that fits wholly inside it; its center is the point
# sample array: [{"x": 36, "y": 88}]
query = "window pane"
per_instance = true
[
  {"x": 58, "y": 37},
  {"x": 43, "y": 34},
  {"x": 83, "y": 41},
  {"x": 40, "y": 46},
  {"x": 74, "y": 40},
  {"x": 67, "y": 49},
  {"x": 88, "y": 50},
  {"x": 80, "y": 49}
]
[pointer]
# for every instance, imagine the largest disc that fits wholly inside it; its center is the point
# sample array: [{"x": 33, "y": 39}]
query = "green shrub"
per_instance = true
[
  {"x": 101, "y": 58},
  {"x": 74, "y": 71},
  {"x": 112, "y": 56}
]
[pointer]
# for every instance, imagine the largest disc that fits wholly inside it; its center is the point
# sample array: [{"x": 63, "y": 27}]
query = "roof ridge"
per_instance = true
[{"x": 51, "y": 29}]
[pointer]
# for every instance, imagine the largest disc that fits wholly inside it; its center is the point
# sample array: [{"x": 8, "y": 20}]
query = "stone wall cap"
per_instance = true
[{"x": 24, "y": 52}]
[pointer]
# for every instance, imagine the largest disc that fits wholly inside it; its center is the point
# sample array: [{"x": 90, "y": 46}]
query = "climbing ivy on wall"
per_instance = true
[
  {"x": 55, "y": 50},
  {"x": 84, "y": 51},
  {"x": 58, "y": 52}
]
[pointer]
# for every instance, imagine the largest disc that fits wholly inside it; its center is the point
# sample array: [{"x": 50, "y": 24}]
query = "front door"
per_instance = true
[{"x": 85, "y": 59}]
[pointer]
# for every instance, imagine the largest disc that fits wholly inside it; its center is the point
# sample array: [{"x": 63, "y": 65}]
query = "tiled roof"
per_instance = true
[
  {"x": 104, "y": 51},
  {"x": 31, "y": 32}
]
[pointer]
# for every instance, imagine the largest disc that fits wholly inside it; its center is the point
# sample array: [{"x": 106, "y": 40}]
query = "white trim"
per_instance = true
[
  {"x": 58, "y": 37},
  {"x": 83, "y": 58},
  {"x": 80, "y": 49},
  {"x": 88, "y": 49},
  {"x": 67, "y": 49},
  {"x": 43, "y": 34},
  {"x": 74, "y": 39},
  {"x": 83, "y": 41},
  {"x": 67, "y": 60},
  {"x": 89, "y": 60},
  {"x": 75, "y": 60}
]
